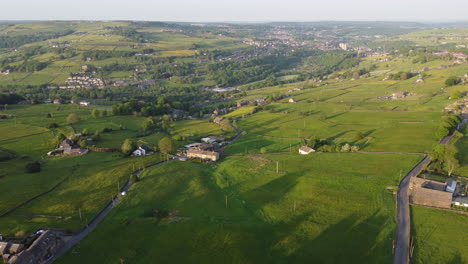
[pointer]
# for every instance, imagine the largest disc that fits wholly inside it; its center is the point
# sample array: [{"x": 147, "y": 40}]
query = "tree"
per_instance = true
[
  {"x": 61, "y": 137},
  {"x": 95, "y": 113},
  {"x": 104, "y": 113},
  {"x": 73, "y": 118},
  {"x": 442, "y": 132},
  {"x": 346, "y": 148},
  {"x": 357, "y": 135},
  {"x": 450, "y": 160},
  {"x": 263, "y": 150},
  {"x": 85, "y": 131},
  {"x": 455, "y": 95},
  {"x": 404, "y": 76},
  {"x": 226, "y": 125},
  {"x": 148, "y": 124},
  {"x": 134, "y": 178},
  {"x": 83, "y": 143},
  {"x": 451, "y": 81},
  {"x": 166, "y": 145},
  {"x": 313, "y": 141},
  {"x": 33, "y": 167},
  {"x": 128, "y": 146}
]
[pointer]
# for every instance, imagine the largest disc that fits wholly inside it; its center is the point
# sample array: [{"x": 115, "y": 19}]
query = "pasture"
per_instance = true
[{"x": 303, "y": 213}]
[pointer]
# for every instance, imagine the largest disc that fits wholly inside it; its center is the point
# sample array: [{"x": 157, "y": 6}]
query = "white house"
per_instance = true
[
  {"x": 139, "y": 152},
  {"x": 305, "y": 150},
  {"x": 85, "y": 103}
]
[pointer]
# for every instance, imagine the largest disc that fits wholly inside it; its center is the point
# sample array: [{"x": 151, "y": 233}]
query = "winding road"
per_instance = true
[
  {"x": 402, "y": 247},
  {"x": 80, "y": 235}
]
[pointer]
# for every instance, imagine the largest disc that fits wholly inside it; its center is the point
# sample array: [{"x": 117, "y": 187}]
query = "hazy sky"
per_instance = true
[{"x": 235, "y": 10}]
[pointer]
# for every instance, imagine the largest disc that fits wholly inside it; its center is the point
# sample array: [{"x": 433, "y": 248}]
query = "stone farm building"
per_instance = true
[
  {"x": 429, "y": 193},
  {"x": 201, "y": 154},
  {"x": 305, "y": 150}
]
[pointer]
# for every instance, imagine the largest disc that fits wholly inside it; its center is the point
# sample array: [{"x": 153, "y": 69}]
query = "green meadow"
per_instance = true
[{"x": 240, "y": 211}]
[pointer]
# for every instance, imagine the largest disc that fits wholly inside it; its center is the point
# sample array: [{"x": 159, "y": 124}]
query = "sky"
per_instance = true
[{"x": 236, "y": 10}]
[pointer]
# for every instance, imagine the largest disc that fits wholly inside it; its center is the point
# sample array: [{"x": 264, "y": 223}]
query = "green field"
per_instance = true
[
  {"x": 301, "y": 214},
  {"x": 438, "y": 236}
]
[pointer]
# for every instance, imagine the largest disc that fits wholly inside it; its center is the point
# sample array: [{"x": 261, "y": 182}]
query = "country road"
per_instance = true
[
  {"x": 80, "y": 235},
  {"x": 402, "y": 247}
]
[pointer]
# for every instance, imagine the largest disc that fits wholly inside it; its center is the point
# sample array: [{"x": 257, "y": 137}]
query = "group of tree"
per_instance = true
[
  {"x": 444, "y": 158},
  {"x": 106, "y": 54},
  {"x": 401, "y": 76},
  {"x": 95, "y": 113},
  {"x": 161, "y": 124},
  {"x": 14, "y": 41},
  {"x": 165, "y": 145},
  {"x": 452, "y": 80},
  {"x": 10, "y": 98},
  {"x": 448, "y": 125}
]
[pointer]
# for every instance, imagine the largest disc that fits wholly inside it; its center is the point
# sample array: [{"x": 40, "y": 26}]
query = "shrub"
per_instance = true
[
  {"x": 452, "y": 80},
  {"x": 52, "y": 125},
  {"x": 33, "y": 167},
  {"x": 263, "y": 150}
]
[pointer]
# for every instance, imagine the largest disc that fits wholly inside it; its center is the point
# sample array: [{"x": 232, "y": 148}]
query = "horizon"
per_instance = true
[{"x": 238, "y": 11}]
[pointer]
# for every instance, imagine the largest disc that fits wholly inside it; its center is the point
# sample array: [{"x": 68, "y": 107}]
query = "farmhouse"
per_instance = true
[
  {"x": 41, "y": 249},
  {"x": 140, "y": 151},
  {"x": 218, "y": 120},
  {"x": 429, "y": 193},
  {"x": 243, "y": 103},
  {"x": 398, "y": 95},
  {"x": 8, "y": 249},
  {"x": 211, "y": 139},
  {"x": 201, "y": 154},
  {"x": 66, "y": 144},
  {"x": 85, "y": 103},
  {"x": 74, "y": 152},
  {"x": 305, "y": 150},
  {"x": 57, "y": 101}
]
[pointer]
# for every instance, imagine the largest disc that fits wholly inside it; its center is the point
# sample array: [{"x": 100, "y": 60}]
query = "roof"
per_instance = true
[
  {"x": 202, "y": 152},
  {"x": 306, "y": 149}
]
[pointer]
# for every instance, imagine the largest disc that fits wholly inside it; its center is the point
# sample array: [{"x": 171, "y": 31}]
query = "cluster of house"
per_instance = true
[
  {"x": 70, "y": 147},
  {"x": 60, "y": 101},
  {"x": 295, "y": 89},
  {"x": 207, "y": 149},
  {"x": 218, "y": 89},
  {"x": 44, "y": 244},
  {"x": 460, "y": 107},
  {"x": 77, "y": 82},
  {"x": 396, "y": 96},
  {"x": 456, "y": 55},
  {"x": 437, "y": 194},
  {"x": 241, "y": 103}
]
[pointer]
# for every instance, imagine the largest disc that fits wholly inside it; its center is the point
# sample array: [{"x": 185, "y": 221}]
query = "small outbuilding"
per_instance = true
[
  {"x": 292, "y": 100},
  {"x": 201, "y": 154},
  {"x": 305, "y": 150},
  {"x": 451, "y": 186}
]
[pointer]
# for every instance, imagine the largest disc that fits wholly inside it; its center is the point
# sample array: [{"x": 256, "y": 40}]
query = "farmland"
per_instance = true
[
  {"x": 293, "y": 216},
  {"x": 369, "y": 114}
]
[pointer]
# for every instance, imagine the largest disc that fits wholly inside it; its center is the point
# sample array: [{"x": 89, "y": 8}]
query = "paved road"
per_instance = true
[
  {"x": 402, "y": 247},
  {"x": 77, "y": 237}
]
